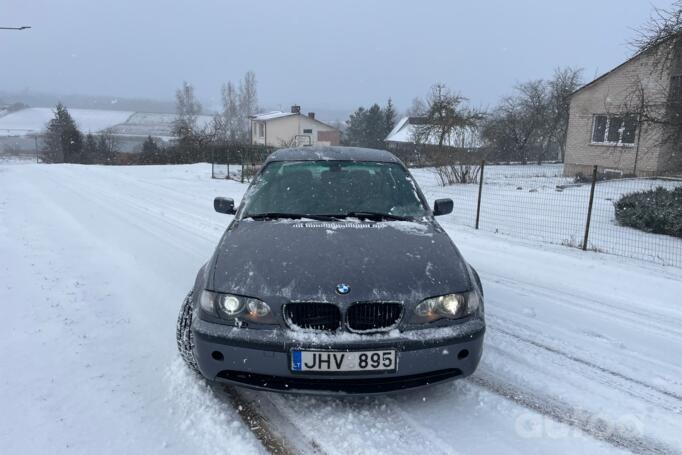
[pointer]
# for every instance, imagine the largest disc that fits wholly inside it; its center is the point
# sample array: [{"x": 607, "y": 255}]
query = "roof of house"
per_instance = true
[
  {"x": 332, "y": 153},
  {"x": 403, "y": 131},
  {"x": 615, "y": 68},
  {"x": 273, "y": 115}
]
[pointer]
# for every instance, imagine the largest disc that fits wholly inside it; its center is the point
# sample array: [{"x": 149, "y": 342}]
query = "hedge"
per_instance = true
[{"x": 658, "y": 211}]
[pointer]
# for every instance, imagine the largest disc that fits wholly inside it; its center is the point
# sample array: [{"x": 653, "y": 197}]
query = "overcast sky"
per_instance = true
[{"x": 332, "y": 55}]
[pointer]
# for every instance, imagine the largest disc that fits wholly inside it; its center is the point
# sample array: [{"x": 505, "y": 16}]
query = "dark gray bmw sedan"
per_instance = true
[{"x": 333, "y": 277}]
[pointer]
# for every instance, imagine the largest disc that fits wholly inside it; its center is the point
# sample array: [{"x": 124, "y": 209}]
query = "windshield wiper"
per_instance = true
[
  {"x": 291, "y": 216},
  {"x": 378, "y": 216},
  {"x": 273, "y": 215}
]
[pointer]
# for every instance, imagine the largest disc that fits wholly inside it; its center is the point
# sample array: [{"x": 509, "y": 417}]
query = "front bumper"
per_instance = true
[{"x": 261, "y": 358}]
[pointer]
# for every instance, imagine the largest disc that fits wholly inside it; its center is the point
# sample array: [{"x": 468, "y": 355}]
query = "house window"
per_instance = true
[
  {"x": 308, "y": 131},
  {"x": 614, "y": 129},
  {"x": 676, "y": 88},
  {"x": 261, "y": 129}
]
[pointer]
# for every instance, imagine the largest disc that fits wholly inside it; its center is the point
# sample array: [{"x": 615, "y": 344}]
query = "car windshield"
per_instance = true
[{"x": 334, "y": 188}]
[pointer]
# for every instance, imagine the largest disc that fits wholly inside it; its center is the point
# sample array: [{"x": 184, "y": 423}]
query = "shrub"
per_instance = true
[{"x": 658, "y": 211}]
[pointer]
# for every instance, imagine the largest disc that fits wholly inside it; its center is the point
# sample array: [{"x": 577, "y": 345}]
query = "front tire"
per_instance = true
[{"x": 183, "y": 334}]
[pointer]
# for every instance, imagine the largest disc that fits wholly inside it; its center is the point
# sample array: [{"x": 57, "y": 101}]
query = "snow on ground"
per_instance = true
[
  {"x": 523, "y": 202},
  {"x": 34, "y": 120},
  {"x": 581, "y": 354}
]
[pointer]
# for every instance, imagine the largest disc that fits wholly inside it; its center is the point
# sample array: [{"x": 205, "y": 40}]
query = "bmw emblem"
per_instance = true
[{"x": 342, "y": 288}]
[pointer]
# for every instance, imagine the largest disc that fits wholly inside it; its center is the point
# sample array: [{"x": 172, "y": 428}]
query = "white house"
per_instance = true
[{"x": 279, "y": 129}]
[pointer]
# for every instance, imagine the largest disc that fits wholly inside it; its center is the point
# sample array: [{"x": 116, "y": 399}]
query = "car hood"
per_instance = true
[{"x": 293, "y": 260}]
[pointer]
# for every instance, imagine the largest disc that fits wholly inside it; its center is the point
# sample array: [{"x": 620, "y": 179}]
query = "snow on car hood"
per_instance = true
[{"x": 304, "y": 260}]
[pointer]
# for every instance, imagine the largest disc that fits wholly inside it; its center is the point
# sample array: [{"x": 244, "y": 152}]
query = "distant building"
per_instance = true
[
  {"x": 278, "y": 129},
  {"x": 407, "y": 132},
  {"x": 604, "y": 131},
  {"x": 404, "y": 132}
]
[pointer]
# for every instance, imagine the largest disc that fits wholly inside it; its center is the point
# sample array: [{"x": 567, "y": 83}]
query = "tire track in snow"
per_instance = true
[
  {"x": 599, "y": 368},
  {"x": 375, "y": 417},
  {"x": 665, "y": 324},
  {"x": 586, "y": 422},
  {"x": 264, "y": 425}
]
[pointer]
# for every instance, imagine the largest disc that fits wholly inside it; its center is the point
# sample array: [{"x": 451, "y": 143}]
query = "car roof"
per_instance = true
[{"x": 332, "y": 153}]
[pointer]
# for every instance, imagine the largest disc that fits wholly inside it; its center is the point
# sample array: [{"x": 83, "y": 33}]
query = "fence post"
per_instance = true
[
  {"x": 241, "y": 156},
  {"x": 228, "y": 162},
  {"x": 589, "y": 208},
  {"x": 480, "y": 191},
  {"x": 212, "y": 164}
]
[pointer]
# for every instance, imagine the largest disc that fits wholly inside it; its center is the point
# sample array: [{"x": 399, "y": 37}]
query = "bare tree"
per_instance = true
[
  {"x": 655, "y": 99},
  {"x": 248, "y": 103},
  {"x": 445, "y": 117},
  {"x": 563, "y": 84},
  {"x": 231, "y": 115},
  {"x": 517, "y": 123},
  {"x": 448, "y": 122},
  {"x": 416, "y": 108},
  {"x": 662, "y": 28},
  {"x": 187, "y": 109},
  {"x": 107, "y": 147}
]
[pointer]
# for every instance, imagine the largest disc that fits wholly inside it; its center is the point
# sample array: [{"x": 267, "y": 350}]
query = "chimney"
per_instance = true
[
  {"x": 311, "y": 115},
  {"x": 295, "y": 109}
]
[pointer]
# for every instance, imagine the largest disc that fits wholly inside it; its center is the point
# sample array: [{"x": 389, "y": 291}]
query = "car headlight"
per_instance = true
[
  {"x": 450, "y": 306},
  {"x": 234, "y": 307}
]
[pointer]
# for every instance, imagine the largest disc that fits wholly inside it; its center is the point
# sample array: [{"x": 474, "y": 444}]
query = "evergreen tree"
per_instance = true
[
  {"x": 90, "y": 150},
  {"x": 389, "y": 117},
  {"x": 149, "y": 146},
  {"x": 63, "y": 141},
  {"x": 150, "y": 151},
  {"x": 375, "y": 127},
  {"x": 355, "y": 131},
  {"x": 366, "y": 128}
]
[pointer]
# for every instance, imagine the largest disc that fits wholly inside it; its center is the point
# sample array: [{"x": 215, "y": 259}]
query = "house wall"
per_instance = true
[
  {"x": 282, "y": 131},
  {"x": 610, "y": 95}
]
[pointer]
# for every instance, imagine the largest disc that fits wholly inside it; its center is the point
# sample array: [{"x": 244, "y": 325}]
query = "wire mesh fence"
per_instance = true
[
  {"x": 540, "y": 203},
  {"x": 238, "y": 161}
]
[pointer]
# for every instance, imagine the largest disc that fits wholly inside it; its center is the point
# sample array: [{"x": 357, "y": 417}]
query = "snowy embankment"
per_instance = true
[{"x": 582, "y": 350}]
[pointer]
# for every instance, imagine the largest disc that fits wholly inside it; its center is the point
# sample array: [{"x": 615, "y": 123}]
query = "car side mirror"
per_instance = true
[
  {"x": 442, "y": 207},
  {"x": 224, "y": 205}
]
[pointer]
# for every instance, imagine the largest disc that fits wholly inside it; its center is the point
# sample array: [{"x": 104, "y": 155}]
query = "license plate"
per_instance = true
[{"x": 343, "y": 361}]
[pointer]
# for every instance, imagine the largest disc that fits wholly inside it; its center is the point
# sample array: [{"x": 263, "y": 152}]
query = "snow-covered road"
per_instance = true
[{"x": 582, "y": 351}]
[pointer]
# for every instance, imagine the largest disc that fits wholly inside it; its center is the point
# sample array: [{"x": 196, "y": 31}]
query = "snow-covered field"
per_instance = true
[
  {"x": 33, "y": 120},
  {"x": 523, "y": 202},
  {"x": 582, "y": 352}
]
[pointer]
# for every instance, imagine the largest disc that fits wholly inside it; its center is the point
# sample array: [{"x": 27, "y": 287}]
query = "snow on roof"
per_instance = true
[
  {"x": 402, "y": 132},
  {"x": 272, "y": 115},
  {"x": 398, "y": 126},
  {"x": 405, "y": 130}
]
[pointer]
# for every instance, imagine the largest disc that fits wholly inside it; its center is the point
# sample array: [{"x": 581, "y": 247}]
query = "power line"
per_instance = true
[{"x": 23, "y": 27}]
